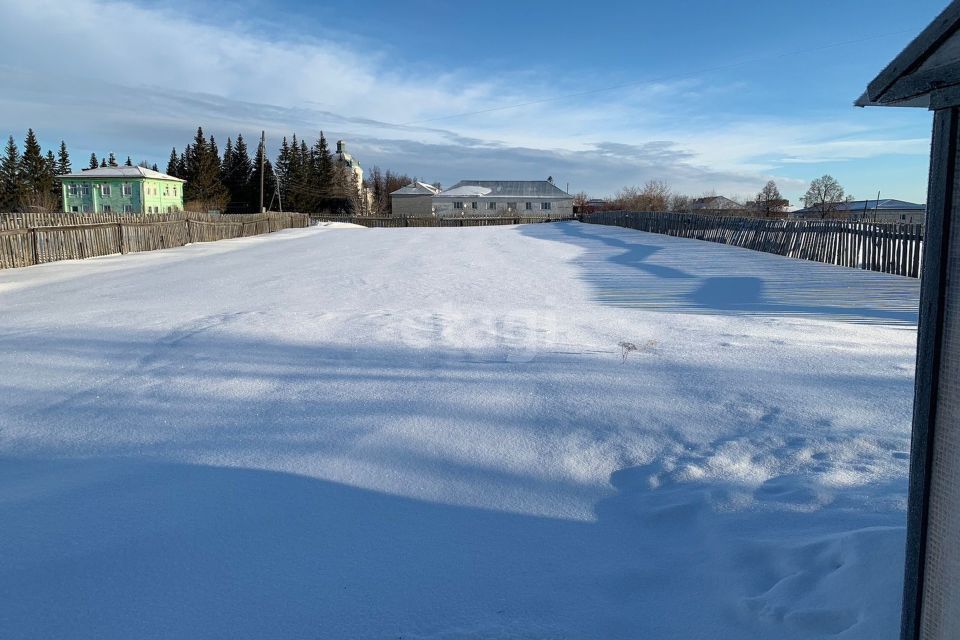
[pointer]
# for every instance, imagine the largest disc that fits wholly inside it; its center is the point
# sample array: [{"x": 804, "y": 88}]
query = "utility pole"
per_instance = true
[{"x": 263, "y": 157}]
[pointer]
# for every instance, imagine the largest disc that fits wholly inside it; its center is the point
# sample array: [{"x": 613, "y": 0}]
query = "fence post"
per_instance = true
[{"x": 35, "y": 245}]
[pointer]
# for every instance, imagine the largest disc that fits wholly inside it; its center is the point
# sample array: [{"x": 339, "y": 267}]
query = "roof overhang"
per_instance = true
[{"x": 926, "y": 73}]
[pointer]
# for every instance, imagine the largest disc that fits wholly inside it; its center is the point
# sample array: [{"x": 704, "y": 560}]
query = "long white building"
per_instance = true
[{"x": 469, "y": 198}]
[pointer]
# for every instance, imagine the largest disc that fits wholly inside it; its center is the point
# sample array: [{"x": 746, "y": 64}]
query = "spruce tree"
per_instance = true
[
  {"x": 226, "y": 165},
  {"x": 237, "y": 176},
  {"x": 155, "y": 168},
  {"x": 33, "y": 166},
  {"x": 173, "y": 168},
  {"x": 196, "y": 155},
  {"x": 214, "y": 157},
  {"x": 182, "y": 165},
  {"x": 324, "y": 171},
  {"x": 129, "y": 162},
  {"x": 203, "y": 175},
  {"x": 11, "y": 187},
  {"x": 283, "y": 170},
  {"x": 36, "y": 175},
  {"x": 103, "y": 163},
  {"x": 112, "y": 160},
  {"x": 63, "y": 160},
  {"x": 93, "y": 161},
  {"x": 54, "y": 191},
  {"x": 293, "y": 175}
]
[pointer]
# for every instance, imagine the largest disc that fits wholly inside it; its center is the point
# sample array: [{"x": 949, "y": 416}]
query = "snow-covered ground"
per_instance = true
[{"x": 436, "y": 433}]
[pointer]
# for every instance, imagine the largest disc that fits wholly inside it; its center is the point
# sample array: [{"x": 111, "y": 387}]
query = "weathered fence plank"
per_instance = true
[
  {"x": 34, "y": 238},
  {"x": 890, "y": 248}
]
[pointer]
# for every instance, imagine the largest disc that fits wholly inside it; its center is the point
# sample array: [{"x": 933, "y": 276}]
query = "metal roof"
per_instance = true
[
  {"x": 714, "y": 202},
  {"x": 121, "y": 172},
  {"x": 416, "y": 189},
  {"x": 504, "y": 189},
  {"x": 884, "y": 204}
]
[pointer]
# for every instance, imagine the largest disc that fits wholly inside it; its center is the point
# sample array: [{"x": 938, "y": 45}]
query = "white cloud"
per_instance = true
[{"x": 136, "y": 79}]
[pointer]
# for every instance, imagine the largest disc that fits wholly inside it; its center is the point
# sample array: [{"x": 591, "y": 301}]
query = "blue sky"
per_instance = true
[{"x": 710, "y": 96}]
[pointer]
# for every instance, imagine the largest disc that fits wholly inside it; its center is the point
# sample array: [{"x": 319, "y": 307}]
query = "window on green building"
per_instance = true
[
  {"x": 127, "y": 189},
  {"x": 105, "y": 190}
]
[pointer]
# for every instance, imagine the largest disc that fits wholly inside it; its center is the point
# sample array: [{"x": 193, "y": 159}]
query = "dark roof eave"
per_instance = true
[{"x": 893, "y": 87}]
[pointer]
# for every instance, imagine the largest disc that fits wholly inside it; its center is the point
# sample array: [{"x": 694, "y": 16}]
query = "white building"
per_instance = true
[
  {"x": 352, "y": 165},
  {"x": 471, "y": 198},
  {"x": 414, "y": 200},
  {"x": 883, "y": 210}
]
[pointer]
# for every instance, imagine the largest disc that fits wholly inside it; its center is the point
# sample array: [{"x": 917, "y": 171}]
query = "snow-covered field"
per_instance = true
[{"x": 436, "y": 433}]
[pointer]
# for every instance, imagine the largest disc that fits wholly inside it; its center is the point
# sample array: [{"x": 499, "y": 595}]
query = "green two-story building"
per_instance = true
[{"x": 121, "y": 190}]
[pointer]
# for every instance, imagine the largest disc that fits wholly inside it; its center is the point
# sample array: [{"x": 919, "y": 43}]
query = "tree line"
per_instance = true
[
  {"x": 305, "y": 177},
  {"x": 28, "y": 178},
  {"x": 824, "y": 198}
]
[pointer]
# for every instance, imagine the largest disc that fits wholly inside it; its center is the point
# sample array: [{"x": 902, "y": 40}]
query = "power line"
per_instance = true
[{"x": 685, "y": 74}]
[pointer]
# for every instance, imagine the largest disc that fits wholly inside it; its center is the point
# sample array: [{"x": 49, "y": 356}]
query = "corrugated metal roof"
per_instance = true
[
  {"x": 504, "y": 189},
  {"x": 416, "y": 189},
  {"x": 122, "y": 172},
  {"x": 884, "y": 204},
  {"x": 714, "y": 202}
]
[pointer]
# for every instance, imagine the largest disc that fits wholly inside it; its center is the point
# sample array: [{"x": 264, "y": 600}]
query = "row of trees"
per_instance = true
[
  {"x": 28, "y": 179},
  {"x": 824, "y": 197},
  {"x": 304, "y": 178}
]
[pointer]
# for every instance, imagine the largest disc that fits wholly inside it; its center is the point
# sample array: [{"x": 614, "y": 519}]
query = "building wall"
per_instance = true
[
  {"x": 146, "y": 196},
  {"x": 413, "y": 206},
  {"x": 559, "y": 207},
  {"x": 162, "y": 196},
  {"x": 904, "y": 217}
]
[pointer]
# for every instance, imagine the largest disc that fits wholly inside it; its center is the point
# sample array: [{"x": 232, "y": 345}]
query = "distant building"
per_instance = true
[
  {"x": 503, "y": 198},
  {"x": 352, "y": 165},
  {"x": 714, "y": 203},
  {"x": 883, "y": 210},
  {"x": 592, "y": 205},
  {"x": 414, "y": 200},
  {"x": 121, "y": 190}
]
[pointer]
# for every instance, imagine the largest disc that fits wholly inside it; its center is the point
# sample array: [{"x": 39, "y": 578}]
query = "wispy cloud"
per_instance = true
[{"x": 136, "y": 78}]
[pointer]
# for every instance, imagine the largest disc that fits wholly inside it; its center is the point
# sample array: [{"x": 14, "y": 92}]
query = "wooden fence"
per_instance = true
[
  {"x": 413, "y": 221},
  {"x": 35, "y": 238},
  {"x": 889, "y": 248}
]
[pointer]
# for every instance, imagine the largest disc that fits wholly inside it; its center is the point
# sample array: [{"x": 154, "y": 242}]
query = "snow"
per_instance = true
[{"x": 435, "y": 433}]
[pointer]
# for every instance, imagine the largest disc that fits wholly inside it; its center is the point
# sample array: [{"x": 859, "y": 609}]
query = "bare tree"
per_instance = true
[
  {"x": 679, "y": 203},
  {"x": 769, "y": 202},
  {"x": 824, "y": 196},
  {"x": 653, "y": 196}
]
